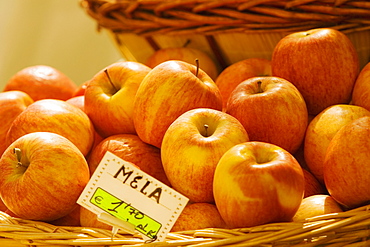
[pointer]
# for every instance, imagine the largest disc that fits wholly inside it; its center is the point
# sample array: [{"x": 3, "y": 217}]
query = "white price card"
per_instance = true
[{"x": 122, "y": 190}]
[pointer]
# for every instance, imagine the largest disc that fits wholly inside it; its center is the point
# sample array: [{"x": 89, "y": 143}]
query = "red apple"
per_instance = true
[
  {"x": 316, "y": 205},
  {"x": 80, "y": 90},
  {"x": 42, "y": 176},
  {"x": 90, "y": 219},
  {"x": 322, "y": 63},
  {"x": 312, "y": 186},
  {"x": 257, "y": 183},
  {"x": 169, "y": 90},
  {"x": 71, "y": 219},
  {"x": 109, "y": 97},
  {"x": 130, "y": 148},
  {"x": 197, "y": 216},
  {"x": 272, "y": 110},
  {"x": 192, "y": 147},
  {"x": 361, "y": 90},
  {"x": 78, "y": 101},
  {"x": 42, "y": 82},
  {"x": 238, "y": 72},
  {"x": 347, "y": 164},
  {"x": 57, "y": 116},
  {"x": 185, "y": 54},
  {"x": 321, "y": 131},
  {"x": 12, "y": 103}
]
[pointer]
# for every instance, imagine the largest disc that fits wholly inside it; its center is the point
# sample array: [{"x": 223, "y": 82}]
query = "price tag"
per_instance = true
[{"x": 120, "y": 189}]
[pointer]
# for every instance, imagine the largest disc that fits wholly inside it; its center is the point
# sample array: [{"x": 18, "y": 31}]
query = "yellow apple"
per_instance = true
[
  {"x": 167, "y": 91},
  {"x": 257, "y": 183},
  {"x": 316, "y": 205},
  {"x": 185, "y": 54},
  {"x": 192, "y": 147}
]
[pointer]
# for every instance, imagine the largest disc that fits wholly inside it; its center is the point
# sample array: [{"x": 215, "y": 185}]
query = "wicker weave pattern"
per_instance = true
[
  {"x": 209, "y": 17},
  {"x": 351, "y": 228}
]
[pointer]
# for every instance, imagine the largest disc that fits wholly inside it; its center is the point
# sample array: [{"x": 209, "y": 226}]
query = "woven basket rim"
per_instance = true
[{"x": 352, "y": 226}]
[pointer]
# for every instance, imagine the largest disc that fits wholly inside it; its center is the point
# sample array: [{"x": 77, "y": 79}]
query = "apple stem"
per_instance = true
[
  {"x": 18, "y": 153},
  {"x": 197, "y": 63},
  {"x": 259, "y": 89},
  {"x": 110, "y": 81},
  {"x": 206, "y": 129}
]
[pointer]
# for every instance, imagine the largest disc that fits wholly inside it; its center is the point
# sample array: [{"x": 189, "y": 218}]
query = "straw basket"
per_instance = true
[
  {"x": 350, "y": 228},
  {"x": 228, "y": 30}
]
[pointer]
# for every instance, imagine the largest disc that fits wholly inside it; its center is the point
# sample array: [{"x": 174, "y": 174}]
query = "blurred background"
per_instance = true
[{"x": 57, "y": 33}]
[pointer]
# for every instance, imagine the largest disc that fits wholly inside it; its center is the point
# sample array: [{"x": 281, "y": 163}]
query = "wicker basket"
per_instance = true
[
  {"x": 350, "y": 228},
  {"x": 228, "y": 30}
]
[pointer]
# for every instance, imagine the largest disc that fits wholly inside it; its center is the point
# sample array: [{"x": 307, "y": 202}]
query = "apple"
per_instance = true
[
  {"x": 57, "y": 116},
  {"x": 347, "y": 164},
  {"x": 185, "y": 54},
  {"x": 80, "y": 90},
  {"x": 322, "y": 63},
  {"x": 42, "y": 176},
  {"x": 272, "y": 110},
  {"x": 316, "y": 205},
  {"x": 109, "y": 97},
  {"x": 130, "y": 148},
  {"x": 257, "y": 183},
  {"x": 12, "y": 103},
  {"x": 78, "y": 101},
  {"x": 42, "y": 82},
  {"x": 192, "y": 146},
  {"x": 238, "y": 72},
  {"x": 199, "y": 215},
  {"x": 170, "y": 89},
  {"x": 71, "y": 219},
  {"x": 361, "y": 90},
  {"x": 321, "y": 131},
  {"x": 312, "y": 186},
  {"x": 90, "y": 220}
]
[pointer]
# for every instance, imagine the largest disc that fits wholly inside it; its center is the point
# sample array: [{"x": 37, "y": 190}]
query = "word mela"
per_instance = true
[{"x": 138, "y": 182}]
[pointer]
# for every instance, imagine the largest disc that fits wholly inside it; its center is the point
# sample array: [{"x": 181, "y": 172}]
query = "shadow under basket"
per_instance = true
[{"x": 227, "y": 30}]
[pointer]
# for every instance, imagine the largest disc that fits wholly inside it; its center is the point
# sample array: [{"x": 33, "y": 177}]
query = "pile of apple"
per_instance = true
[{"x": 262, "y": 141}]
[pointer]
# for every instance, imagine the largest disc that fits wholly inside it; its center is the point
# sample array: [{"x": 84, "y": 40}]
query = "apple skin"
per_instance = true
[
  {"x": 71, "y": 219},
  {"x": 198, "y": 215},
  {"x": 361, "y": 90},
  {"x": 78, "y": 101},
  {"x": 259, "y": 183},
  {"x": 316, "y": 205},
  {"x": 238, "y": 72},
  {"x": 273, "y": 112},
  {"x": 185, "y": 54},
  {"x": 130, "y": 148},
  {"x": 51, "y": 177},
  {"x": 90, "y": 219},
  {"x": 57, "y": 116},
  {"x": 12, "y": 103},
  {"x": 312, "y": 186},
  {"x": 42, "y": 82},
  {"x": 321, "y": 131},
  {"x": 322, "y": 63},
  {"x": 190, "y": 152},
  {"x": 169, "y": 90},
  {"x": 109, "y": 97},
  {"x": 80, "y": 90},
  {"x": 347, "y": 164}
]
